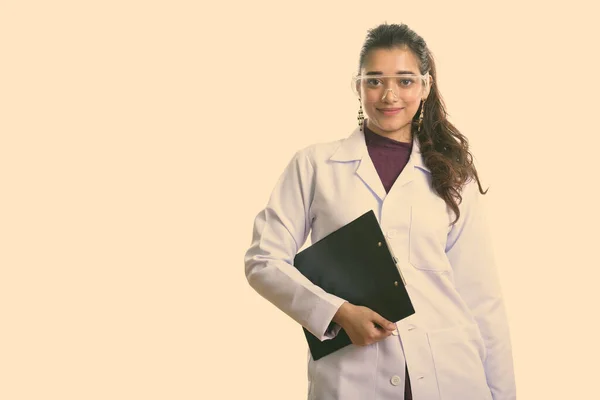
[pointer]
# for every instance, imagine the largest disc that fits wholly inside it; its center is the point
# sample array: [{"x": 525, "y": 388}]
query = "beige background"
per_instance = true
[{"x": 140, "y": 139}]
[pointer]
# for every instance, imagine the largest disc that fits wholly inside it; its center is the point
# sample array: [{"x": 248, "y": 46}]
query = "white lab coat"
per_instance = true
[{"x": 457, "y": 344}]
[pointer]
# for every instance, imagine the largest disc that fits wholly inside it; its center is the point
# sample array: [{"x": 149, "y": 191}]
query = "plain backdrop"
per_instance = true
[{"x": 139, "y": 139}]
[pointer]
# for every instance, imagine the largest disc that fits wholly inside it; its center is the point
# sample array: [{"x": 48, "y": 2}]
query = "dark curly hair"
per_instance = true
[{"x": 445, "y": 150}]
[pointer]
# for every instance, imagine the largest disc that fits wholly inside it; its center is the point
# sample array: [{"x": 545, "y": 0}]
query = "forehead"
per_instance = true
[{"x": 390, "y": 61}]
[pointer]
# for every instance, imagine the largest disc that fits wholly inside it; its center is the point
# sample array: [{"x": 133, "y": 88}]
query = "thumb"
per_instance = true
[{"x": 384, "y": 323}]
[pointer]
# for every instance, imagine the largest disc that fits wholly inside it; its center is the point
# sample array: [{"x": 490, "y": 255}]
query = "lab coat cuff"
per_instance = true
[
  {"x": 320, "y": 321},
  {"x": 332, "y": 331}
]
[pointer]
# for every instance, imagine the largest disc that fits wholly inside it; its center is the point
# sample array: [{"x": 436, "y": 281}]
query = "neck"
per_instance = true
[{"x": 401, "y": 135}]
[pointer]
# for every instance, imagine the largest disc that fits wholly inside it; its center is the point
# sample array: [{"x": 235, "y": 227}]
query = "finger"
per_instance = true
[
  {"x": 381, "y": 331},
  {"x": 380, "y": 334},
  {"x": 382, "y": 322}
]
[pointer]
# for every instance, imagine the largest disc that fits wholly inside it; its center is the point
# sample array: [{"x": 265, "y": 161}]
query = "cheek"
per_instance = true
[
  {"x": 369, "y": 106},
  {"x": 370, "y": 111},
  {"x": 370, "y": 100},
  {"x": 413, "y": 107}
]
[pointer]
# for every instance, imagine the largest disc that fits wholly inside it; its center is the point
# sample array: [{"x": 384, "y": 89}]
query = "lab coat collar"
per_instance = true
[{"x": 354, "y": 148}]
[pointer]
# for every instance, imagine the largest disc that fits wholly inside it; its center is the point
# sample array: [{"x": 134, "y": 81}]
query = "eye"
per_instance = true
[
  {"x": 406, "y": 82},
  {"x": 373, "y": 81}
]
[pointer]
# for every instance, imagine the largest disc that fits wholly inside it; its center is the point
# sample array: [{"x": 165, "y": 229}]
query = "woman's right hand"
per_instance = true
[{"x": 363, "y": 325}]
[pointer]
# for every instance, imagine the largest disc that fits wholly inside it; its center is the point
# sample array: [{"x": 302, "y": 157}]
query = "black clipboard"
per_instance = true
[{"x": 356, "y": 264}]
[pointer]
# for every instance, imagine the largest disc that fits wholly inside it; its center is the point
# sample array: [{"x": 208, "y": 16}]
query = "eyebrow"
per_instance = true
[{"x": 398, "y": 72}]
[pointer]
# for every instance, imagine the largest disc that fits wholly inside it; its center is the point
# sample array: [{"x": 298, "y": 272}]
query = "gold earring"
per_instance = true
[
  {"x": 421, "y": 116},
  {"x": 360, "y": 118}
]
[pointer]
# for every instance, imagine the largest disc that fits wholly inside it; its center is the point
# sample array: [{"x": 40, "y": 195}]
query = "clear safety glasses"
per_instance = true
[{"x": 405, "y": 86}]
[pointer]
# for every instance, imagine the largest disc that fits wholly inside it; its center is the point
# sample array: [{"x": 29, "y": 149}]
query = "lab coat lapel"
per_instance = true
[
  {"x": 369, "y": 175},
  {"x": 415, "y": 161},
  {"x": 354, "y": 148}
]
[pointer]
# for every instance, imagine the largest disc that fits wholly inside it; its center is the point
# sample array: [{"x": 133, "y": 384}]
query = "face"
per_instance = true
[{"x": 387, "y": 103}]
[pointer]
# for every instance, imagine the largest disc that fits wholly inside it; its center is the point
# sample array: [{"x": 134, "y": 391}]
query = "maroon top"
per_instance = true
[{"x": 389, "y": 157}]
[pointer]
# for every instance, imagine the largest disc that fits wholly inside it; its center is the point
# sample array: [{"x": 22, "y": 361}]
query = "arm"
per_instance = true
[
  {"x": 470, "y": 253},
  {"x": 279, "y": 231}
]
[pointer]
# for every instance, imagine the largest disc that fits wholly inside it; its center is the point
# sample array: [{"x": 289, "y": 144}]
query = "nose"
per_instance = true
[{"x": 388, "y": 98}]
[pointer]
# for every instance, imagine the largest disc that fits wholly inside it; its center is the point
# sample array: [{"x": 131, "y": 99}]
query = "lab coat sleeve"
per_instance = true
[
  {"x": 470, "y": 253},
  {"x": 280, "y": 230}
]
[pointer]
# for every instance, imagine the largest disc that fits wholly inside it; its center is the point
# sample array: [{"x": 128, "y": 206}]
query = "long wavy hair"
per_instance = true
[{"x": 445, "y": 150}]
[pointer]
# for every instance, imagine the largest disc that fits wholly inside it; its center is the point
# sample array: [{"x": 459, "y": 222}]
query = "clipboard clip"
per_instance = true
[{"x": 395, "y": 259}]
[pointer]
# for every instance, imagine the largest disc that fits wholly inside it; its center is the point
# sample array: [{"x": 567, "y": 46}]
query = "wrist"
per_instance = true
[{"x": 341, "y": 314}]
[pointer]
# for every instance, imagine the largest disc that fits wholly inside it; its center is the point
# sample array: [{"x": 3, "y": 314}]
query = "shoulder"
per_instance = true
[
  {"x": 318, "y": 153},
  {"x": 346, "y": 147}
]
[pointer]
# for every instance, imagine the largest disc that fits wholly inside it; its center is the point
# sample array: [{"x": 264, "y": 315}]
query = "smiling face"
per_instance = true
[{"x": 391, "y": 103}]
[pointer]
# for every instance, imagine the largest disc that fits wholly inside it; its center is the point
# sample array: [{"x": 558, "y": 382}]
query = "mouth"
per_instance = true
[{"x": 390, "y": 111}]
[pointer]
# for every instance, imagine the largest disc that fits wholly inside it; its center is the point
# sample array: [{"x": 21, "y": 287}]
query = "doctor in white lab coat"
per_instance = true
[{"x": 457, "y": 344}]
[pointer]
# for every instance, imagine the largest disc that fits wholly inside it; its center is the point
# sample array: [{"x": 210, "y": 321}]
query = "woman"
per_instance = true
[{"x": 410, "y": 165}]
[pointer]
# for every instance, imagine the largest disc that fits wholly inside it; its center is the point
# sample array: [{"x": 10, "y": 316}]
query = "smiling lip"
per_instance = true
[{"x": 390, "y": 111}]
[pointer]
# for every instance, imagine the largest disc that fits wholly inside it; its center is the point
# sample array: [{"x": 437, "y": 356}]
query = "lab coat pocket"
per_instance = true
[
  {"x": 458, "y": 355},
  {"x": 427, "y": 235}
]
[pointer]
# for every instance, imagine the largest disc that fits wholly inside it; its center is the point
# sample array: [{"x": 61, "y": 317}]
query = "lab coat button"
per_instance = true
[
  {"x": 395, "y": 333},
  {"x": 395, "y": 380},
  {"x": 391, "y": 233}
]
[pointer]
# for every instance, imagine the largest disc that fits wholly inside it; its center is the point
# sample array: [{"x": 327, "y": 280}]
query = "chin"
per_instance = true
[{"x": 391, "y": 126}]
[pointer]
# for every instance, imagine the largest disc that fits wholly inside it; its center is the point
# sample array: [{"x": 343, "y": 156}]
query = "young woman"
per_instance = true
[{"x": 410, "y": 165}]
